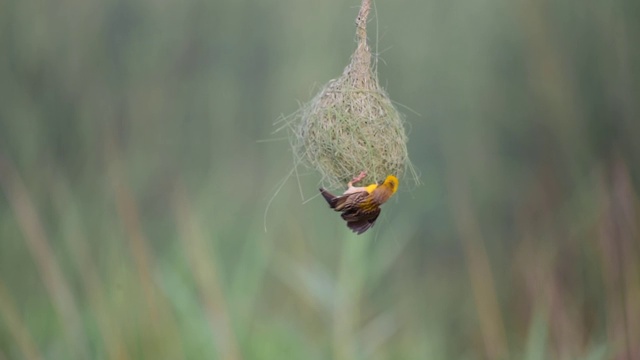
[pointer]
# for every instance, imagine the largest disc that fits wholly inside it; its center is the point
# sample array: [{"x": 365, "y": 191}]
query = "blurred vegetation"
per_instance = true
[{"x": 137, "y": 159}]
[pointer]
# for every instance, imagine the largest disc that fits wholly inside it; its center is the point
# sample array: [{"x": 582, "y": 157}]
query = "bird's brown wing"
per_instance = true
[
  {"x": 355, "y": 208},
  {"x": 362, "y": 216},
  {"x": 363, "y": 222},
  {"x": 350, "y": 201},
  {"x": 360, "y": 210}
]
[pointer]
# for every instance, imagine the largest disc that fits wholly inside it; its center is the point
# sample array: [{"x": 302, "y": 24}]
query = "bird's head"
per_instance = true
[{"x": 391, "y": 182}]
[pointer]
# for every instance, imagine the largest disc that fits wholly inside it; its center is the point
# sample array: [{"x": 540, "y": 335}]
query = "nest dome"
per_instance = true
[{"x": 351, "y": 125}]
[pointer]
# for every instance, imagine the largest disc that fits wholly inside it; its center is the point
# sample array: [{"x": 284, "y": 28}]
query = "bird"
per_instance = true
[{"x": 360, "y": 206}]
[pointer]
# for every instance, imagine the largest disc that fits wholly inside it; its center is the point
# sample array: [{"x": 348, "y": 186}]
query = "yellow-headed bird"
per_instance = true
[{"x": 360, "y": 206}]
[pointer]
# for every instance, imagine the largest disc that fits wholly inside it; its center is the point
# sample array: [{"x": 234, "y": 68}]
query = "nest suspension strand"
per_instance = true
[{"x": 352, "y": 125}]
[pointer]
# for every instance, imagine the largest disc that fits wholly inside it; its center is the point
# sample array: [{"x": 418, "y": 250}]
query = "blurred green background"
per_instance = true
[{"x": 137, "y": 160}]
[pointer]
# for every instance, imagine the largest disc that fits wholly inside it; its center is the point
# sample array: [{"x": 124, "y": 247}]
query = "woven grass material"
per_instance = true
[{"x": 351, "y": 125}]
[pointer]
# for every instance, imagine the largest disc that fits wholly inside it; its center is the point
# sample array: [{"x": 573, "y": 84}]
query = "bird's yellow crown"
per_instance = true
[{"x": 391, "y": 182}]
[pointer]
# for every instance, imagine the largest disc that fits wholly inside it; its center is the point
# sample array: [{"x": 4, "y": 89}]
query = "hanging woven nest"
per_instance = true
[{"x": 351, "y": 125}]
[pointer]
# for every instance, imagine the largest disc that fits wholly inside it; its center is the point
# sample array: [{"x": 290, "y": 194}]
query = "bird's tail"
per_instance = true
[{"x": 331, "y": 199}]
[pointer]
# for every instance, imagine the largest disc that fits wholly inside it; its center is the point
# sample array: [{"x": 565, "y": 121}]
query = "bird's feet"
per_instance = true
[{"x": 356, "y": 179}]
